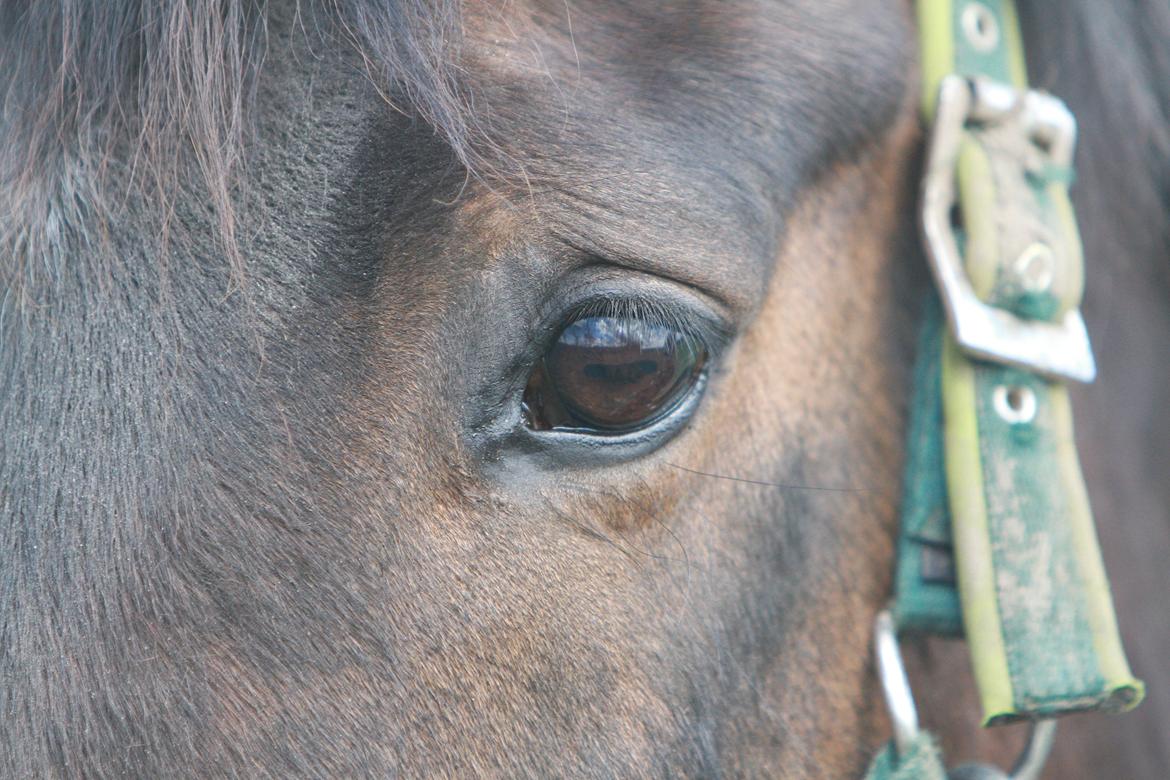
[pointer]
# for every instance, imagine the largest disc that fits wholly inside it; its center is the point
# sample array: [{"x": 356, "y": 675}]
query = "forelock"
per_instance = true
[{"x": 145, "y": 88}]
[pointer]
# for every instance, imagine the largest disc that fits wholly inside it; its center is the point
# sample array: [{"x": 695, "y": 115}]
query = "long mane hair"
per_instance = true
[{"x": 89, "y": 85}]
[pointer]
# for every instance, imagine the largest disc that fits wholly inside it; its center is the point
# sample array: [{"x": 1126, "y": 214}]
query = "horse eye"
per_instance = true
[{"x": 612, "y": 375}]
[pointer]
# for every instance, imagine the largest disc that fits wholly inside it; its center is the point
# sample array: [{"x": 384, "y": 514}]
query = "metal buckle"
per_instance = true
[
  {"x": 904, "y": 715},
  {"x": 1058, "y": 349}
]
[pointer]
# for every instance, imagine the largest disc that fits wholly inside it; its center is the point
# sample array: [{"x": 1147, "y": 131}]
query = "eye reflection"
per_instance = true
[{"x": 612, "y": 374}]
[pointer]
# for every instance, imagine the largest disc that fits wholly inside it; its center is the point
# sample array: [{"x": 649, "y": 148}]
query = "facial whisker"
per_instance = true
[{"x": 766, "y": 483}]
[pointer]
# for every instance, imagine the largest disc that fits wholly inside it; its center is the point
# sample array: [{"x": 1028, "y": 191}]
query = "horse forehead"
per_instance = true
[
  {"x": 697, "y": 123},
  {"x": 650, "y": 32},
  {"x": 682, "y": 51}
]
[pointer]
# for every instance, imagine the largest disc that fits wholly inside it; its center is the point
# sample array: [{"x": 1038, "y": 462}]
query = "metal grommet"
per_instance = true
[
  {"x": 1035, "y": 267},
  {"x": 980, "y": 27},
  {"x": 1016, "y": 404}
]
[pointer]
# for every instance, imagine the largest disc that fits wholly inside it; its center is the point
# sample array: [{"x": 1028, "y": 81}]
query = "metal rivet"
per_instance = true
[
  {"x": 980, "y": 27},
  {"x": 1035, "y": 267},
  {"x": 1016, "y": 404}
]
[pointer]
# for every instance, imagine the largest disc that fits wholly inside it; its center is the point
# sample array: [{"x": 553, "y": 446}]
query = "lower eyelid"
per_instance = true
[{"x": 524, "y": 451}]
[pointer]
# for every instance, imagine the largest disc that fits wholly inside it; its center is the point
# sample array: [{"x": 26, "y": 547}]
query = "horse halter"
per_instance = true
[{"x": 997, "y": 542}]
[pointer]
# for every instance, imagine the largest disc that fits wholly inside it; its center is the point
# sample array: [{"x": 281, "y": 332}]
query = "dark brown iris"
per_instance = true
[{"x": 612, "y": 374}]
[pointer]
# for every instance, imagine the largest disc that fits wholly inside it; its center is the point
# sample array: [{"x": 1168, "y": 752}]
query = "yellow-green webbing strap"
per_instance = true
[{"x": 992, "y": 478}]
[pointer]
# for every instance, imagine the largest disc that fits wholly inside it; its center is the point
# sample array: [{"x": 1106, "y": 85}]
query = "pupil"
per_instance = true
[
  {"x": 612, "y": 374},
  {"x": 624, "y": 374}
]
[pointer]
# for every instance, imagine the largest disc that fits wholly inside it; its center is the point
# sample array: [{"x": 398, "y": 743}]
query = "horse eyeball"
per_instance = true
[{"x": 612, "y": 375}]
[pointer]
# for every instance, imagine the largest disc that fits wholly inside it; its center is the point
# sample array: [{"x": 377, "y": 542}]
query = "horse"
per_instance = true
[{"x": 302, "y": 474}]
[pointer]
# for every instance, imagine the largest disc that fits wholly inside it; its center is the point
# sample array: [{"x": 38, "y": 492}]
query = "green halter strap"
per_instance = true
[{"x": 997, "y": 540}]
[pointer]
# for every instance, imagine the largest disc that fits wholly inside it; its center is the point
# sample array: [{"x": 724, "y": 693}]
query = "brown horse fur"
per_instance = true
[{"x": 274, "y": 278}]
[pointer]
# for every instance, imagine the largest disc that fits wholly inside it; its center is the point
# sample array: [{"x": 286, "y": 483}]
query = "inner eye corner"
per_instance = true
[{"x": 613, "y": 369}]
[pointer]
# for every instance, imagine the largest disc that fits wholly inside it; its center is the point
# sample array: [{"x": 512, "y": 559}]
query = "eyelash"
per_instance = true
[{"x": 705, "y": 331}]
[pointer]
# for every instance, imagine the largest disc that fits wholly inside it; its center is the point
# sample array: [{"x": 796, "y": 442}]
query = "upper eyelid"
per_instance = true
[
  {"x": 592, "y": 283},
  {"x": 708, "y": 332}
]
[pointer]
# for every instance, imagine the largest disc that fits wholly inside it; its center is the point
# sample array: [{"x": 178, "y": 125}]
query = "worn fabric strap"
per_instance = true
[
  {"x": 926, "y": 596},
  {"x": 997, "y": 539},
  {"x": 921, "y": 761}
]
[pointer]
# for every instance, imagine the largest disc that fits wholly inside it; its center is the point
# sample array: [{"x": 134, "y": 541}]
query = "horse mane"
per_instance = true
[
  {"x": 147, "y": 87},
  {"x": 1109, "y": 61},
  {"x": 90, "y": 84}
]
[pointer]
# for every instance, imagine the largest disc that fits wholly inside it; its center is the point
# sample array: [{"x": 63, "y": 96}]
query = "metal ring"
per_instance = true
[
  {"x": 904, "y": 715},
  {"x": 1031, "y": 761},
  {"x": 895, "y": 685},
  {"x": 1027, "y": 767}
]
